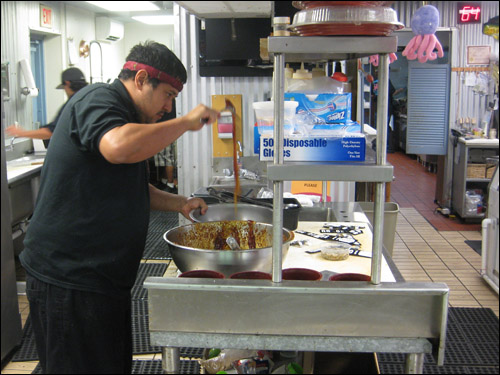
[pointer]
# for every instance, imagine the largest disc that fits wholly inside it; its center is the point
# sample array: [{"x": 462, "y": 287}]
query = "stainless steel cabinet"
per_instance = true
[{"x": 470, "y": 174}]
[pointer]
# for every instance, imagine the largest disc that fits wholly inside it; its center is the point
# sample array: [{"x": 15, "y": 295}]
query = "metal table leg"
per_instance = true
[
  {"x": 171, "y": 362},
  {"x": 414, "y": 363}
]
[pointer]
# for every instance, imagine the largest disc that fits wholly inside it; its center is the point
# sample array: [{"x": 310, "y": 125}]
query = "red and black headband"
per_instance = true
[{"x": 155, "y": 73}]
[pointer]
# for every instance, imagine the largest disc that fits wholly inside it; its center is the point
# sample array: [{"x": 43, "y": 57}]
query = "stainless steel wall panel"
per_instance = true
[
  {"x": 19, "y": 107},
  {"x": 469, "y": 103},
  {"x": 195, "y": 148}
]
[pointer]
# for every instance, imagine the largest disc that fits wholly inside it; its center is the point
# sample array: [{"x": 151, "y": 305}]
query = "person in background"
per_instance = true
[
  {"x": 86, "y": 238},
  {"x": 390, "y": 114},
  {"x": 167, "y": 159},
  {"x": 73, "y": 80}
]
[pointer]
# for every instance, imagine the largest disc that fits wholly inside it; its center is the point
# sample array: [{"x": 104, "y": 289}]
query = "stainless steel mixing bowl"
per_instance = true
[
  {"x": 226, "y": 211},
  {"x": 193, "y": 246}
]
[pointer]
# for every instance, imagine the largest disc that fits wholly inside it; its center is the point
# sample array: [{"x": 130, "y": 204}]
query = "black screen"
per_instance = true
[
  {"x": 235, "y": 39},
  {"x": 231, "y": 47}
]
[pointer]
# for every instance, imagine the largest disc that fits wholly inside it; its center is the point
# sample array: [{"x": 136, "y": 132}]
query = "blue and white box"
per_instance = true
[{"x": 343, "y": 147}]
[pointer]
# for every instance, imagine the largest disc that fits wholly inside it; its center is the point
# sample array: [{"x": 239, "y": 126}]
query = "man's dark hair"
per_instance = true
[
  {"x": 158, "y": 56},
  {"x": 77, "y": 85}
]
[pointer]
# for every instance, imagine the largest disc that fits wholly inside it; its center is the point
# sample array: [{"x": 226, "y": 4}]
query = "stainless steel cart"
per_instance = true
[{"x": 395, "y": 317}]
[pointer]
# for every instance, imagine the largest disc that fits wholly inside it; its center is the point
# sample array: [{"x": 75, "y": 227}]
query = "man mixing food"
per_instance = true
[{"x": 88, "y": 231}]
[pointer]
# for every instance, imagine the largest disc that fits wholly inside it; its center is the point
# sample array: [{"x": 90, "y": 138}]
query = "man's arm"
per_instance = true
[
  {"x": 163, "y": 201},
  {"x": 15, "y": 131},
  {"x": 132, "y": 143}
]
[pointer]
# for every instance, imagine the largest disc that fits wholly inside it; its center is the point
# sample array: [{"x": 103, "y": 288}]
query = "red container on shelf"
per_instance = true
[
  {"x": 301, "y": 274},
  {"x": 204, "y": 274},
  {"x": 349, "y": 277},
  {"x": 251, "y": 275}
]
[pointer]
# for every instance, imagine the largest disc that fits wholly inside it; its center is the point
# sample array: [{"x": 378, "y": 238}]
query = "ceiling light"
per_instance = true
[
  {"x": 155, "y": 20},
  {"x": 125, "y": 6}
]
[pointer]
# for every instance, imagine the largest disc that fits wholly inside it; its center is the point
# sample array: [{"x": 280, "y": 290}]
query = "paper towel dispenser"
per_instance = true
[{"x": 30, "y": 88}]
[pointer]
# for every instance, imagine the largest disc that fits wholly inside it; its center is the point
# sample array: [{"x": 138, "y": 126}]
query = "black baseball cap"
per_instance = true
[{"x": 71, "y": 74}]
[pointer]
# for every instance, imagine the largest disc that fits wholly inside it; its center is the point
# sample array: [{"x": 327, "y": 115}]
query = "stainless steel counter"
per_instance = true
[
  {"x": 24, "y": 167},
  {"x": 395, "y": 317},
  {"x": 23, "y": 181}
]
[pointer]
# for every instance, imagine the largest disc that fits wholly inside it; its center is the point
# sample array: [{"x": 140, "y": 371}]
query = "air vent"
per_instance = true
[{"x": 108, "y": 30}]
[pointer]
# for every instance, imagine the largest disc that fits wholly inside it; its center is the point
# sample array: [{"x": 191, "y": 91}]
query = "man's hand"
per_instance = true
[
  {"x": 200, "y": 116},
  {"x": 14, "y": 131},
  {"x": 192, "y": 204}
]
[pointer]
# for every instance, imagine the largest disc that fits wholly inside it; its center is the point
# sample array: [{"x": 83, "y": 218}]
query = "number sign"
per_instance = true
[{"x": 469, "y": 12}]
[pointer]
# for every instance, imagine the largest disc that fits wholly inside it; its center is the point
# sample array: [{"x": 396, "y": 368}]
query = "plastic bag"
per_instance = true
[
  {"x": 473, "y": 202},
  {"x": 225, "y": 359},
  {"x": 315, "y": 85}
]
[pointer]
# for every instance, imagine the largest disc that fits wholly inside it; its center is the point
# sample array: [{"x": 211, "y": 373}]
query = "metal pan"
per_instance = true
[{"x": 227, "y": 211}]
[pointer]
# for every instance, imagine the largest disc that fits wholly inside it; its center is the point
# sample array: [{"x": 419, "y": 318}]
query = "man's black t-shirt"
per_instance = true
[
  {"x": 90, "y": 222},
  {"x": 52, "y": 125}
]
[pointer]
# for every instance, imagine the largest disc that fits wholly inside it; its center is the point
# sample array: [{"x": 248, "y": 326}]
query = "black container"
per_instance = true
[
  {"x": 291, "y": 208},
  {"x": 291, "y": 211}
]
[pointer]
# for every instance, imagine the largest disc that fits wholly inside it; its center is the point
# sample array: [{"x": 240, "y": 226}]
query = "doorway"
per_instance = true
[{"x": 38, "y": 69}]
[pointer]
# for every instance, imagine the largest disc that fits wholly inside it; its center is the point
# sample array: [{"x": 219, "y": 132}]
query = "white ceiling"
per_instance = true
[
  {"x": 228, "y": 9},
  {"x": 201, "y": 9},
  {"x": 166, "y": 8}
]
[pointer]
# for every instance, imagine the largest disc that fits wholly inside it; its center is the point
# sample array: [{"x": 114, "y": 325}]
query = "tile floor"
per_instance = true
[{"x": 427, "y": 247}]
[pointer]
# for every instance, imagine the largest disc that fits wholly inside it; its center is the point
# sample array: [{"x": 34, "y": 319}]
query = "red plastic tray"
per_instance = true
[
  {"x": 317, "y": 4},
  {"x": 371, "y": 29}
]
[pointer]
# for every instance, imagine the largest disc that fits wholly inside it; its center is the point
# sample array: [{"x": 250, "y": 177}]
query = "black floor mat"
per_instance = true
[
  {"x": 156, "y": 247},
  {"x": 159, "y": 222},
  {"x": 471, "y": 346},
  {"x": 149, "y": 269},
  {"x": 151, "y": 367},
  {"x": 475, "y": 245},
  {"x": 140, "y": 340}
]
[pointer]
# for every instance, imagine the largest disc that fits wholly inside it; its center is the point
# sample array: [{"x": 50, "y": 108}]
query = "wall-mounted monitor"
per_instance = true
[{"x": 230, "y": 47}]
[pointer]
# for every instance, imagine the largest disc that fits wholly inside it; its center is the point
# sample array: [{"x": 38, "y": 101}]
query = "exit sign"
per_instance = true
[
  {"x": 469, "y": 12},
  {"x": 45, "y": 16}
]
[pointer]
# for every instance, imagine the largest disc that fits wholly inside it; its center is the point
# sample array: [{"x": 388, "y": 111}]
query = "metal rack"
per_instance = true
[
  {"x": 365, "y": 317},
  {"x": 289, "y": 49}
]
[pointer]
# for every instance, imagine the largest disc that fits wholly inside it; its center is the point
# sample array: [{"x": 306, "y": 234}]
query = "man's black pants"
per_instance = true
[{"x": 79, "y": 332}]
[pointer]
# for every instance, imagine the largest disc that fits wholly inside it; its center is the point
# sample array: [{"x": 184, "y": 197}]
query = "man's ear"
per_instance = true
[{"x": 141, "y": 78}]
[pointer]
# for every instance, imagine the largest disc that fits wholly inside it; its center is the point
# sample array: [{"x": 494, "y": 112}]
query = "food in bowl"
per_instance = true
[
  {"x": 335, "y": 252},
  {"x": 213, "y": 235},
  {"x": 193, "y": 246}
]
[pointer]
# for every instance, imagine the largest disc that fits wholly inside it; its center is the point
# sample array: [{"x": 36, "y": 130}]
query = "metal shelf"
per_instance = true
[
  {"x": 309, "y": 171},
  {"x": 487, "y": 180},
  {"x": 288, "y": 49},
  {"x": 321, "y": 48}
]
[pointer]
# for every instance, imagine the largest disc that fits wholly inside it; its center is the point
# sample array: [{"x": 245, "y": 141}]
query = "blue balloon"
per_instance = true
[{"x": 425, "y": 20}]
